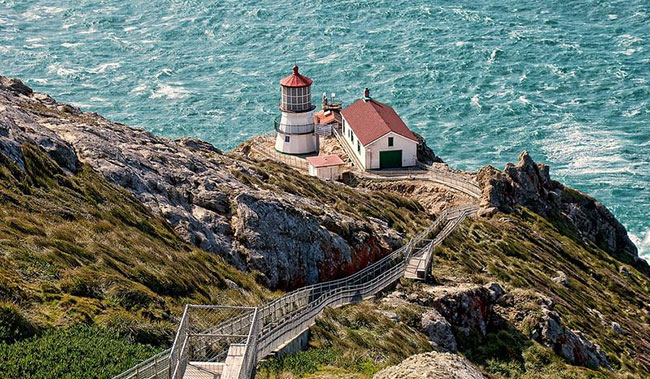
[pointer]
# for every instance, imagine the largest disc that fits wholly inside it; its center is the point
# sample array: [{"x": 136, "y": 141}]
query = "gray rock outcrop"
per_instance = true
[
  {"x": 468, "y": 308},
  {"x": 529, "y": 184},
  {"x": 424, "y": 153},
  {"x": 207, "y": 196},
  {"x": 573, "y": 345},
  {"x": 432, "y": 365},
  {"x": 439, "y": 331}
]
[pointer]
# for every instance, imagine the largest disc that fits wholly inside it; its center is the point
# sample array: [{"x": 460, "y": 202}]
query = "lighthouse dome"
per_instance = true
[
  {"x": 296, "y": 93},
  {"x": 295, "y": 79}
]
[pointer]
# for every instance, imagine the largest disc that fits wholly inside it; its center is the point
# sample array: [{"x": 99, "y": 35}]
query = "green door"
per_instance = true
[{"x": 390, "y": 159}]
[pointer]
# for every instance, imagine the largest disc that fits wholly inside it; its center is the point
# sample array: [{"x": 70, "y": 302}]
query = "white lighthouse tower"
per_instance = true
[{"x": 295, "y": 127}]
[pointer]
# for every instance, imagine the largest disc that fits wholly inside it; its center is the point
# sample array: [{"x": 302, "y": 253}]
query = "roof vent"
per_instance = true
[{"x": 366, "y": 94}]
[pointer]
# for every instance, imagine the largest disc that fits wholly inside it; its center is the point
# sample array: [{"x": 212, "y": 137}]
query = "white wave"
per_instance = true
[
  {"x": 30, "y": 16},
  {"x": 59, "y": 70},
  {"x": 632, "y": 113},
  {"x": 165, "y": 71},
  {"x": 69, "y": 44},
  {"x": 460, "y": 43},
  {"x": 103, "y": 67},
  {"x": 628, "y": 40},
  {"x": 584, "y": 149},
  {"x": 559, "y": 72},
  {"x": 522, "y": 99},
  {"x": 493, "y": 56},
  {"x": 642, "y": 242},
  {"x": 139, "y": 89},
  {"x": 130, "y": 28},
  {"x": 169, "y": 92},
  {"x": 53, "y": 10},
  {"x": 612, "y": 16},
  {"x": 475, "y": 102}
]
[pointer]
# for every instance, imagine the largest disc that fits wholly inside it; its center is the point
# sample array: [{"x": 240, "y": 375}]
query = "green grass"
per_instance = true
[
  {"x": 75, "y": 249},
  {"x": 356, "y": 340},
  {"x": 524, "y": 251},
  {"x": 74, "y": 352}
]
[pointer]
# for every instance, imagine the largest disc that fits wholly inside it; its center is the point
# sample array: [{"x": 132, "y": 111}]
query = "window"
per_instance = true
[
  {"x": 296, "y": 99},
  {"x": 351, "y": 136},
  {"x": 287, "y": 138},
  {"x": 390, "y": 141},
  {"x": 358, "y": 147}
]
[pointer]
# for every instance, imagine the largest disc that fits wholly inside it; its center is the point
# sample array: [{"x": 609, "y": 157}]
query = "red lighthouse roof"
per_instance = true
[{"x": 295, "y": 79}]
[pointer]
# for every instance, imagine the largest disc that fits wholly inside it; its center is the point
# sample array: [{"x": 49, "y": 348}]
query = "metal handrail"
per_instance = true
[
  {"x": 348, "y": 150},
  {"x": 293, "y": 129},
  {"x": 285, "y": 318}
]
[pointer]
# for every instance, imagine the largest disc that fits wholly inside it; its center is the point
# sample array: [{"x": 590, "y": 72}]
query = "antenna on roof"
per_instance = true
[{"x": 366, "y": 94}]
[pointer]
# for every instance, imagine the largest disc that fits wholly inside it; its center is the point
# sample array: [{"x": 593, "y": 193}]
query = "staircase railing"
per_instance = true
[{"x": 282, "y": 320}]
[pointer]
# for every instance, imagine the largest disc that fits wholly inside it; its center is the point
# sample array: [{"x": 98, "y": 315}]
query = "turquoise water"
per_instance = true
[{"x": 481, "y": 80}]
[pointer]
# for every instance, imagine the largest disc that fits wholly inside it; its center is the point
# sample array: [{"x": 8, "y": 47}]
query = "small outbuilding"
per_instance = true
[
  {"x": 326, "y": 167},
  {"x": 377, "y": 135}
]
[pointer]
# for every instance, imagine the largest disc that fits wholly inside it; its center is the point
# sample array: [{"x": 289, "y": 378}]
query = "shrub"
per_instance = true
[
  {"x": 74, "y": 352},
  {"x": 13, "y": 325}
]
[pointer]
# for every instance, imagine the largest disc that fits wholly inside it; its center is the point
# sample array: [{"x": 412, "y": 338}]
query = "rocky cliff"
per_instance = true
[
  {"x": 293, "y": 230},
  {"x": 529, "y": 184}
]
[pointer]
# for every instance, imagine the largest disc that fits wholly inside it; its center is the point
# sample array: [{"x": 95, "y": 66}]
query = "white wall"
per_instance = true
[
  {"x": 360, "y": 155},
  {"x": 408, "y": 147},
  {"x": 325, "y": 173},
  {"x": 298, "y": 143},
  {"x": 369, "y": 155}
]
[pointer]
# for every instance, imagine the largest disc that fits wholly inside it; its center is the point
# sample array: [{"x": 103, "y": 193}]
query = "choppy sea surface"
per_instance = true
[{"x": 569, "y": 81}]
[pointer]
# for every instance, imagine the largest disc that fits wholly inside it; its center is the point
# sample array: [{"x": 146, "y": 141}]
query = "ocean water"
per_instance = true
[{"x": 569, "y": 81}]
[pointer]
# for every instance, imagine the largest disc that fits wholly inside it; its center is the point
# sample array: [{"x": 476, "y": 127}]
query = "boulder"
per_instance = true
[
  {"x": 439, "y": 331},
  {"x": 560, "y": 278},
  {"x": 573, "y": 345},
  {"x": 467, "y": 308},
  {"x": 432, "y": 365}
]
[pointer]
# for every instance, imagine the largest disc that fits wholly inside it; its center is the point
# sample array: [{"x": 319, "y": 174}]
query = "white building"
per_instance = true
[
  {"x": 295, "y": 128},
  {"x": 326, "y": 167},
  {"x": 377, "y": 135}
]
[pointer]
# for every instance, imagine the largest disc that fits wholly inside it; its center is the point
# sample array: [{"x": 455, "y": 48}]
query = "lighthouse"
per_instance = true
[{"x": 295, "y": 126}]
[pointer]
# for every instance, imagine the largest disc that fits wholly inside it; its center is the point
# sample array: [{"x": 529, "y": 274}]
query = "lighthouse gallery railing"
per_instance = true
[{"x": 285, "y": 318}]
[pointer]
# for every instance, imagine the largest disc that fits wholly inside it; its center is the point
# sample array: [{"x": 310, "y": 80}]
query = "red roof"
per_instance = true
[
  {"x": 295, "y": 79},
  {"x": 371, "y": 119},
  {"x": 327, "y": 117},
  {"x": 325, "y": 160}
]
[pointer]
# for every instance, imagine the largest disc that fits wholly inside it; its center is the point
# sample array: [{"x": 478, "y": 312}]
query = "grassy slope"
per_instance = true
[
  {"x": 523, "y": 252},
  {"x": 353, "y": 341},
  {"x": 76, "y": 249}
]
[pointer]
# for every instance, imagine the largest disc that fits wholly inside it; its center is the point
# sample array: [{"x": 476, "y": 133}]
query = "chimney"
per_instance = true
[{"x": 366, "y": 94}]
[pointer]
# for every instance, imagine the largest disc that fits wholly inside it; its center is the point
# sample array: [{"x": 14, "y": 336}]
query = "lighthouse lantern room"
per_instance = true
[{"x": 295, "y": 127}]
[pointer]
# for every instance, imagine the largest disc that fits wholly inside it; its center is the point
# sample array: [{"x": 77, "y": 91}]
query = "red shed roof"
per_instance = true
[
  {"x": 327, "y": 117},
  {"x": 295, "y": 79},
  {"x": 371, "y": 120},
  {"x": 325, "y": 160}
]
